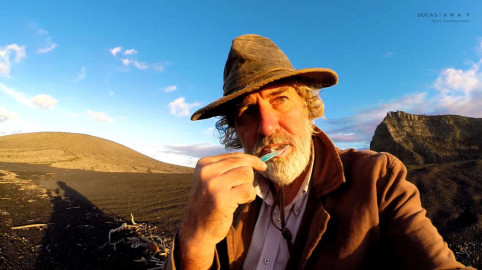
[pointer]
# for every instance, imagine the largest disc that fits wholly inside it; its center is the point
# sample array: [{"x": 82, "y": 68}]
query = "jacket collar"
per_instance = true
[{"x": 328, "y": 169}]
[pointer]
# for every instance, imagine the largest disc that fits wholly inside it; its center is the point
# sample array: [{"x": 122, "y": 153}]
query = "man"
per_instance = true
[{"x": 341, "y": 209}]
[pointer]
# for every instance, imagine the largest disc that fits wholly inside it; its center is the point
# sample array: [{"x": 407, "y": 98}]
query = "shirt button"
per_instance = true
[{"x": 266, "y": 261}]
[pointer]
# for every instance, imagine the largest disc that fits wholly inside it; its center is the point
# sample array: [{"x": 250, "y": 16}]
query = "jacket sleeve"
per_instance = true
[
  {"x": 172, "y": 260},
  {"x": 406, "y": 232}
]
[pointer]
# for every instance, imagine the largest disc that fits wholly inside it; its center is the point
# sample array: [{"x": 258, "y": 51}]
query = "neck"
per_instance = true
[{"x": 290, "y": 191}]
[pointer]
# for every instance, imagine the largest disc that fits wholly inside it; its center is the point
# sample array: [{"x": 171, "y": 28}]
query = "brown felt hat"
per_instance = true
[{"x": 253, "y": 62}]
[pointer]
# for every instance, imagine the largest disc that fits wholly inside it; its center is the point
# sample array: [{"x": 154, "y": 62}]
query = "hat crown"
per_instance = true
[
  {"x": 254, "y": 62},
  {"x": 252, "y": 59}
]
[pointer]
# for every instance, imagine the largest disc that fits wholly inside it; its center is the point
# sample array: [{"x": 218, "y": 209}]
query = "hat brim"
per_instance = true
[{"x": 313, "y": 77}]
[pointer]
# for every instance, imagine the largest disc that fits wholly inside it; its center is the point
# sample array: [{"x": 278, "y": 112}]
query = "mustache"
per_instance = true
[{"x": 275, "y": 138}]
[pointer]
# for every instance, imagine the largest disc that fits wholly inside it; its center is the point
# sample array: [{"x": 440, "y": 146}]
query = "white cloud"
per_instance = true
[
  {"x": 81, "y": 75},
  {"x": 169, "y": 88},
  {"x": 125, "y": 62},
  {"x": 180, "y": 108},
  {"x": 458, "y": 80},
  {"x": 460, "y": 91},
  {"x": 5, "y": 115},
  {"x": 5, "y": 53},
  {"x": 48, "y": 44},
  {"x": 44, "y": 101},
  {"x": 111, "y": 93},
  {"x": 100, "y": 116},
  {"x": 129, "y": 52},
  {"x": 129, "y": 58},
  {"x": 50, "y": 47},
  {"x": 41, "y": 101},
  {"x": 115, "y": 51},
  {"x": 140, "y": 65}
]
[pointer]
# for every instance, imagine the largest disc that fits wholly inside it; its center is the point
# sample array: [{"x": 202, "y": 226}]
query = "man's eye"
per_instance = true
[
  {"x": 280, "y": 100},
  {"x": 248, "y": 110}
]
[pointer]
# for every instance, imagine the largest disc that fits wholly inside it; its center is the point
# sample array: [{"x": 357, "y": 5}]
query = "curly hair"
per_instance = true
[{"x": 314, "y": 107}]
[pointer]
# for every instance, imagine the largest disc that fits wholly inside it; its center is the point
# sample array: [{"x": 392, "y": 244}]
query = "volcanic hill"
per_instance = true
[
  {"x": 61, "y": 194},
  {"x": 79, "y": 151},
  {"x": 423, "y": 139}
]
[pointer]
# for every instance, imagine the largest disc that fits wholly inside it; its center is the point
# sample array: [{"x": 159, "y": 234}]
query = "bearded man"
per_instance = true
[{"x": 339, "y": 209}]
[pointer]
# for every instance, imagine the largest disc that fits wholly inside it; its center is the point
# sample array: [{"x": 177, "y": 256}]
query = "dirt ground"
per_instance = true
[
  {"x": 452, "y": 195},
  {"x": 77, "y": 209},
  {"x": 74, "y": 230}
]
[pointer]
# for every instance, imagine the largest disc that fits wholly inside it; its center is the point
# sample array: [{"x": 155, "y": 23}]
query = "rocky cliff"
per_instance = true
[{"x": 423, "y": 139}]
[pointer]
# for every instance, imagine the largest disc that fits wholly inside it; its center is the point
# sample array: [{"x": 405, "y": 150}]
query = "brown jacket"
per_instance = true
[{"x": 361, "y": 214}]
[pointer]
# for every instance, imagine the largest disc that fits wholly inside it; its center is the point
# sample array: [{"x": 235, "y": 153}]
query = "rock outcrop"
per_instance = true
[{"x": 423, "y": 139}]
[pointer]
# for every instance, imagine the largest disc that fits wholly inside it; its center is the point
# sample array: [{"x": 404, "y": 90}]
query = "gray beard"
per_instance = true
[{"x": 284, "y": 170}]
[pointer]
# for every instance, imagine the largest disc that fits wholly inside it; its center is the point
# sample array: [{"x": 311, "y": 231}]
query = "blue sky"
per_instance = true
[{"x": 134, "y": 71}]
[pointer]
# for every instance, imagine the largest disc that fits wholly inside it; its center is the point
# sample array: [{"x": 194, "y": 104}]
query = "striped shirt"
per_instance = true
[{"x": 268, "y": 249}]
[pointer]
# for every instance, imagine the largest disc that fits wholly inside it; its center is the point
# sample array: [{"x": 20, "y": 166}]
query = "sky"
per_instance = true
[{"x": 134, "y": 71}]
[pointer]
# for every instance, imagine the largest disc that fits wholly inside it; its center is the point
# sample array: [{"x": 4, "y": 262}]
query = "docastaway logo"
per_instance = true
[{"x": 445, "y": 16}]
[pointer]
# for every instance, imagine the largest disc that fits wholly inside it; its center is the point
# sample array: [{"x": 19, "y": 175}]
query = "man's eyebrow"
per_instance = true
[
  {"x": 244, "y": 101},
  {"x": 278, "y": 91}
]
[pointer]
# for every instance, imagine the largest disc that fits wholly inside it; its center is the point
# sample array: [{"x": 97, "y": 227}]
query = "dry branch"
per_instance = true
[{"x": 29, "y": 226}]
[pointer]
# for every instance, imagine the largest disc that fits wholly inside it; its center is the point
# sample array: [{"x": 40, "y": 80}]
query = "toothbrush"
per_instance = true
[{"x": 271, "y": 155}]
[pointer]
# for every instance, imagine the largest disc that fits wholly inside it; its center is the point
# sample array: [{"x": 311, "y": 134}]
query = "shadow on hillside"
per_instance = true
[{"x": 77, "y": 235}]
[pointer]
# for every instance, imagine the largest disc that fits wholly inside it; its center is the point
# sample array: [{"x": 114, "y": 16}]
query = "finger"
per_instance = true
[
  {"x": 227, "y": 163},
  {"x": 244, "y": 193},
  {"x": 235, "y": 177},
  {"x": 255, "y": 161}
]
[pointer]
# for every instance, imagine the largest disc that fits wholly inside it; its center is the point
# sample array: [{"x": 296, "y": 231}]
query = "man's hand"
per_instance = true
[{"x": 221, "y": 183}]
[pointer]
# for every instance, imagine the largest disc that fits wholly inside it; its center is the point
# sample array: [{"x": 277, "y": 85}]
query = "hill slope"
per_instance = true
[{"x": 79, "y": 151}]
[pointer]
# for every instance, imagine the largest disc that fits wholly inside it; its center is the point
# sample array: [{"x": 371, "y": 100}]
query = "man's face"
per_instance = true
[{"x": 271, "y": 117}]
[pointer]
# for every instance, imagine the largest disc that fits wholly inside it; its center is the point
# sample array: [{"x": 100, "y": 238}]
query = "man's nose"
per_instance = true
[{"x": 268, "y": 120}]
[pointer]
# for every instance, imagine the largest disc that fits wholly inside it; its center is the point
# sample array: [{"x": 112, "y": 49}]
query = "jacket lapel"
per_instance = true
[
  {"x": 327, "y": 176},
  {"x": 238, "y": 238}
]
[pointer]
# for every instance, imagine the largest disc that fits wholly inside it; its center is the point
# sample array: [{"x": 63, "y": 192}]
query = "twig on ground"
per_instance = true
[
  {"x": 141, "y": 235},
  {"x": 29, "y": 226}
]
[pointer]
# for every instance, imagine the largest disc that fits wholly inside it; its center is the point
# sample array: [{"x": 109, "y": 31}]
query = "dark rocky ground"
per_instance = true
[
  {"x": 75, "y": 235},
  {"x": 77, "y": 229},
  {"x": 452, "y": 195}
]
